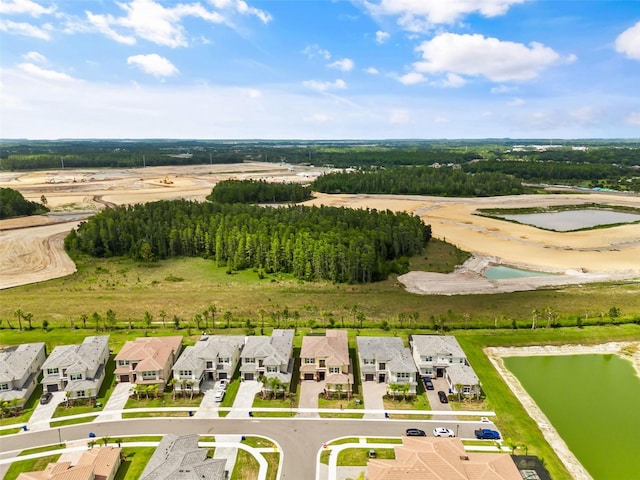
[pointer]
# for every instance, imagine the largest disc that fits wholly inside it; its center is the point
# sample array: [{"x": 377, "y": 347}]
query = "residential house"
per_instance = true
[
  {"x": 179, "y": 457},
  {"x": 94, "y": 464},
  {"x": 212, "y": 358},
  {"x": 441, "y": 459},
  {"x": 441, "y": 356},
  {"x": 78, "y": 370},
  {"x": 268, "y": 356},
  {"x": 386, "y": 360},
  {"x": 326, "y": 358},
  {"x": 147, "y": 360},
  {"x": 19, "y": 370}
]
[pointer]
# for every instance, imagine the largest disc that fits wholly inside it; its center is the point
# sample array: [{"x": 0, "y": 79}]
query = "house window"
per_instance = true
[
  {"x": 466, "y": 389},
  {"x": 224, "y": 360},
  {"x": 382, "y": 366},
  {"x": 309, "y": 361},
  {"x": 272, "y": 369},
  {"x": 76, "y": 376},
  {"x": 462, "y": 360},
  {"x": 123, "y": 363},
  {"x": 450, "y": 360},
  {"x": 4, "y": 386},
  {"x": 52, "y": 371},
  {"x": 81, "y": 394},
  {"x": 404, "y": 375},
  {"x": 427, "y": 359},
  {"x": 148, "y": 375},
  {"x": 322, "y": 363},
  {"x": 369, "y": 361},
  {"x": 185, "y": 373},
  {"x": 249, "y": 360},
  {"x": 209, "y": 364},
  {"x": 334, "y": 369}
]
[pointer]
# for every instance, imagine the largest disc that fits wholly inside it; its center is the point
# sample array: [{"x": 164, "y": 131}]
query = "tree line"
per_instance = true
[
  {"x": 419, "y": 181},
  {"x": 13, "y": 204},
  {"x": 312, "y": 243},
  {"x": 258, "y": 191}
]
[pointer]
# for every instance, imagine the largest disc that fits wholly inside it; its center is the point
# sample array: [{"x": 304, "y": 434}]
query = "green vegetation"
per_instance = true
[
  {"x": 311, "y": 243},
  {"x": 72, "y": 421},
  {"x": 273, "y": 460},
  {"x": 446, "y": 182},
  {"x": 135, "y": 459},
  {"x": 46, "y": 448},
  {"x": 13, "y": 204},
  {"x": 246, "y": 466},
  {"x": 360, "y": 456},
  {"x": 258, "y": 191},
  {"x": 32, "y": 465}
]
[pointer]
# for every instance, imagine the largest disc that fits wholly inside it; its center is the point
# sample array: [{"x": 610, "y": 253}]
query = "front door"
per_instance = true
[
  {"x": 381, "y": 378},
  {"x": 320, "y": 376},
  {"x": 439, "y": 372}
]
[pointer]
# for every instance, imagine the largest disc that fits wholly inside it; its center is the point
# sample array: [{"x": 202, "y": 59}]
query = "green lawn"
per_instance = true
[
  {"x": 32, "y": 465},
  {"x": 360, "y": 456},
  {"x": 136, "y": 459},
  {"x": 72, "y": 421}
]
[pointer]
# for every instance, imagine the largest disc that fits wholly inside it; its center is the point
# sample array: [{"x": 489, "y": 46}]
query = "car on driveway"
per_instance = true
[
  {"x": 443, "y": 432},
  {"x": 219, "y": 395},
  {"x": 486, "y": 434},
  {"x": 415, "y": 432},
  {"x": 443, "y": 397},
  {"x": 428, "y": 384},
  {"x": 223, "y": 384},
  {"x": 46, "y": 398}
]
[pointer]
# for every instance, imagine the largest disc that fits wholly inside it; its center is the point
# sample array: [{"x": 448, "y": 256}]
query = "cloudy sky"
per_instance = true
[{"x": 319, "y": 69}]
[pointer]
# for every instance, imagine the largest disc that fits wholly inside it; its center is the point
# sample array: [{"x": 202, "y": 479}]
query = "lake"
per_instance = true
[
  {"x": 498, "y": 272},
  {"x": 593, "y": 401},
  {"x": 568, "y": 220}
]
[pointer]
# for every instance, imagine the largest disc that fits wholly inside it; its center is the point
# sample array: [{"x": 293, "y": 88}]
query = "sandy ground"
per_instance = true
[
  {"x": 628, "y": 350},
  {"x": 597, "y": 255}
]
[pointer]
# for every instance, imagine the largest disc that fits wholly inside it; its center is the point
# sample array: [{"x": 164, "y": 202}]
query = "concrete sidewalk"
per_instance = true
[
  {"x": 244, "y": 398},
  {"x": 372, "y": 394},
  {"x": 117, "y": 401}
]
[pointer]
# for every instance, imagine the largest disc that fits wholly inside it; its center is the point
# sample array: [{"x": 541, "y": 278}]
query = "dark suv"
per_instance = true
[
  {"x": 428, "y": 384},
  {"x": 46, "y": 398},
  {"x": 415, "y": 432},
  {"x": 443, "y": 397}
]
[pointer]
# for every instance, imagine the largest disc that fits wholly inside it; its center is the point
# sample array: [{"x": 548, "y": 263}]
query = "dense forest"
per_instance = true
[
  {"x": 312, "y": 243},
  {"x": 13, "y": 204},
  {"x": 419, "y": 181},
  {"x": 258, "y": 191}
]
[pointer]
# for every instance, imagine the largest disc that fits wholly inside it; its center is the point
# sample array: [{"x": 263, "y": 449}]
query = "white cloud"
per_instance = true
[
  {"x": 381, "y": 37},
  {"x": 253, "y": 93},
  {"x": 371, "y": 71},
  {"x": 628, "y": 42},
  {"x": 412, "y": 78},
  {"x": 344, "y": 64},
  {"x": 399, "y": 117},
  {"x": 24, "y": 29},
  {"x": 24, "y": 7},
  {"x": 312, "y": 51},
  {"x": 474, "y": 55},
  {"x": 44, "y": 74},
  {"x": 420, "y": 15},
  {"x": 152, "y": 21},
  {"x": 503, "y": 89},
  {"x": 516, "y": 102},
  {"x": 35, "y": 57},
  {"x": 584, "y": 114},
  {"x": 153, "y": 64},
  {"x": 633, "y": 118},
  {"x": 339, "y": 84},
  {"x": 451, "y": 81}
]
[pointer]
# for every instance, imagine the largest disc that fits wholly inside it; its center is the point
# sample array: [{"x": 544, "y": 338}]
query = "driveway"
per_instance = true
[
  {"x": 42, "y": 414},
  {"x": 309, "y": 391},
  {"x": 432, "y": 395},
  {"x": 116, "y": 402},
  {"x": 372, "y": 393},
  {"x": 244, "y": 398}
]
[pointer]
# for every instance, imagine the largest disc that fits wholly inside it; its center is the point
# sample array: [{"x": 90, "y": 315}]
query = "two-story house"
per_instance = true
[
  {"x": 19, "y": 370},
  {"x": 441, "y": 356},
  {"x": 386, "y": 360},
  {"x": 326, "y": 358},
  {"x": 78, "y": 370},
  {"x": 212, "y": 358},
  {"x": 268, "y": 356},
  {"x": 148, "y": 360}
]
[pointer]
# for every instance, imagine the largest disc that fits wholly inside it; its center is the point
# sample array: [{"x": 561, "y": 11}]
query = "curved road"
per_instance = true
[{"x": 300, "y": 439}]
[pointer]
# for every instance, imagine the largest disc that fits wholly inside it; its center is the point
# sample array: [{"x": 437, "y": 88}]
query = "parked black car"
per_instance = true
[
  {"x": 428, "y": 384},
  {"x": 416, "y": 432},
  {"x": 443, "y": 397},
  {"x": 46, "y": 398}
]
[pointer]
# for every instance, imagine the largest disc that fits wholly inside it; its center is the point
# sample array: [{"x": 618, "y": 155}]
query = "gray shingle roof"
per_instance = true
[
  {"x": 437, "y": 344},
  {"x": 78, "y": 358},
  {"x": 16, "y": 361},
  {"x": 389, "y": 350},
  {"x": 208, "y": 348}
]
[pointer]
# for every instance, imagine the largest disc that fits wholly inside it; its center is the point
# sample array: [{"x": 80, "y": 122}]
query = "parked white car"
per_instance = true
[
  {"x": 222, "y": 384},
  {"x": 219, "y": 395},
  {"x": 443, "y": 432}
]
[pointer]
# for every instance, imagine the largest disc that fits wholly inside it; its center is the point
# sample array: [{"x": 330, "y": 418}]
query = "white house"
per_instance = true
[
  {"x": 386, "y": 360},
  {"x": 19, "y": 370},
  {"x": 212, "y": 358},
  {"x": 269, "y": 356},
  {"x": 78, "y": 370}
]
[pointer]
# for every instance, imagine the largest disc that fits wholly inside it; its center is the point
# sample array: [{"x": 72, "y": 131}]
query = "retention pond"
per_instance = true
[
  {"x": 568, "y": 220},
  {"x": 592, "y": 402}
]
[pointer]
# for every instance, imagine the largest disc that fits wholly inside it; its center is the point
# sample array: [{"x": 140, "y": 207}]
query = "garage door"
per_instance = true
[
  {"x": 248, "y": 376},
  {"x": 308, "y": 376},
  {"x": 52, "y": 388},
  {"x": 368, "y": 377}
]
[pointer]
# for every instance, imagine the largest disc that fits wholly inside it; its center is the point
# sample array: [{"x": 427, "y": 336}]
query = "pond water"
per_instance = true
[
  {"x": 573, "y": 219},
  {"x": 498, "y": 272},
  {"x": 593, "y": 403}
]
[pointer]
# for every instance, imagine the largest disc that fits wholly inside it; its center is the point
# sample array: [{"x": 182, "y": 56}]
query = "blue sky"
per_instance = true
[{"x": 327, "y": 69}]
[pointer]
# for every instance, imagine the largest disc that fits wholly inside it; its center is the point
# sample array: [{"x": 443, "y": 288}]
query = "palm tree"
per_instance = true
[
  {"x": 148, "y": 319},
  {"x": 459, "y": 387},
  {"x": 212, "y": 310},
  {"x": 18, "y": 315},
  {"x": 394, "y": 387},
  {"x": 339, "y": 387},
  {"x": 227, "y": 317},
  {"x": 171, "y": 384},
  {"x": 163, "y": 316},
  {"x": 28, "y": 317},
  {"x": 534, "y": 321},
  {"x": 404, "y": 388},
  {"x": 84, "y": 317},
  {"x": 274, "y": 383},
  {"x": 198, "y": 318}
]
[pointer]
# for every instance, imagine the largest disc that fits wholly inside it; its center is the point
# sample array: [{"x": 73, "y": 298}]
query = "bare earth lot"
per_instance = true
[{"x": 31, "y": 248}]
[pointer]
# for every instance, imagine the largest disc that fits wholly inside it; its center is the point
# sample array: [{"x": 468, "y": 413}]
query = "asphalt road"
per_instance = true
[{"x": 300, "y": 439}]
